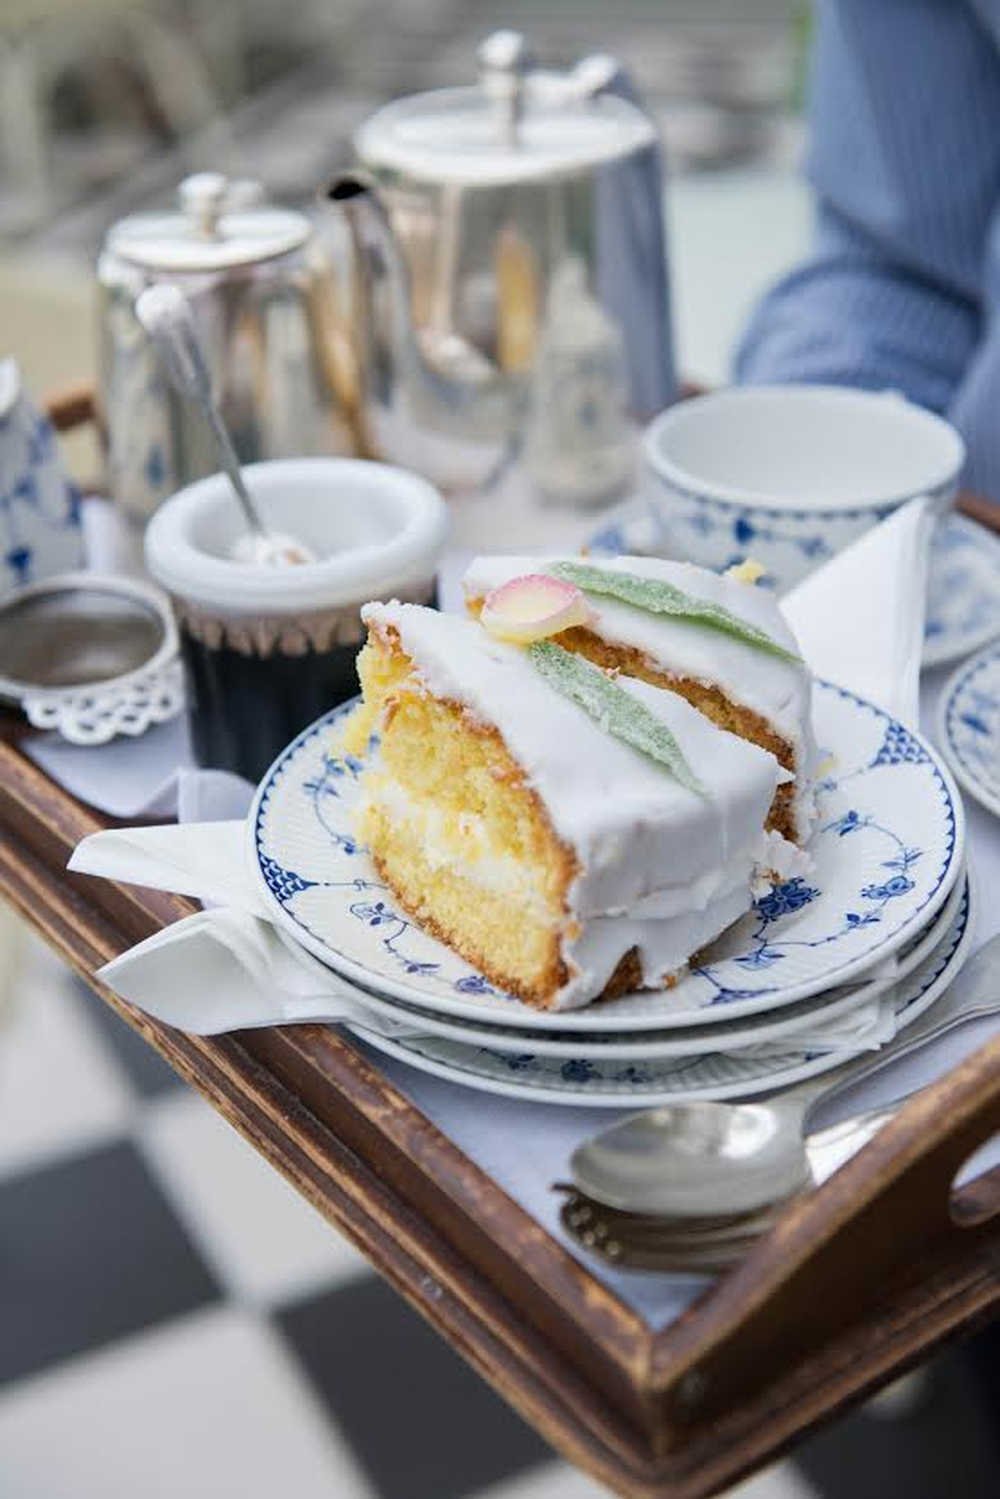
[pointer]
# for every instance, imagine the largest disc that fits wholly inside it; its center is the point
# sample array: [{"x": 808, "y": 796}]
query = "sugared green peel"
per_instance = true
[
  {"x": 658, "y": 597},
  {"x": 614, "y": 709}
]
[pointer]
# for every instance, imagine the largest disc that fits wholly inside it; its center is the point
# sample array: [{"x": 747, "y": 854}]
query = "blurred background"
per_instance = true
[{"x": 106, "y": 104}]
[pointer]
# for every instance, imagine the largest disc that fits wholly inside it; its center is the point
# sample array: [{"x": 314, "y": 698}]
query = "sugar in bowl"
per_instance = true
[{"x": 267, "y": 649}]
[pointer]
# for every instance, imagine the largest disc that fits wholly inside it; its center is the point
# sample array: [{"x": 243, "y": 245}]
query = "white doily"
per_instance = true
[{"x": 93, "y": 715}]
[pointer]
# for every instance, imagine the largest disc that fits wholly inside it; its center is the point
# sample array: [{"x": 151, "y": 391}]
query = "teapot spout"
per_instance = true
[{"x": 424, "y": 389}]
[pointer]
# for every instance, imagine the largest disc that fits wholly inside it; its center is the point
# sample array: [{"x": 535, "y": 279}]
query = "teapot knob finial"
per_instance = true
[
  {"x": 202, "y": 197},
  {"x": 504, "y": 58}
]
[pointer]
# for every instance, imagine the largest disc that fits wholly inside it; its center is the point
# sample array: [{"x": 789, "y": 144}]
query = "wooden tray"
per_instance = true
[{"x": 859, "y": 1281}]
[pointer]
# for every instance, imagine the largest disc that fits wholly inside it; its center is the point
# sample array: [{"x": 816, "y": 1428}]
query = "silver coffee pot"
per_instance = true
[
  {"x": 510, "y": 299},
  {"x": 273, "y": 323}
]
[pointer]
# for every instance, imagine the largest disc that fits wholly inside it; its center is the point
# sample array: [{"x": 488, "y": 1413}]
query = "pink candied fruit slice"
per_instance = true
[{"x": 533, "y": 607}]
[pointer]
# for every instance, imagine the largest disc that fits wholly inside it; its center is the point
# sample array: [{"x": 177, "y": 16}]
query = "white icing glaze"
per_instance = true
[
  {"x": 639, "y": 836},
  {"x": 778, "y": 690},
  {"x": 664, "y": 946}
]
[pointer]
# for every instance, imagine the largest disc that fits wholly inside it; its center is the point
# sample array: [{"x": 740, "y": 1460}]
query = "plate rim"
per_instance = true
[
  {"x": 583, "y": 1019},
  {"x": 987, "y": 655},
  {"x": 827, "y": 1062}
]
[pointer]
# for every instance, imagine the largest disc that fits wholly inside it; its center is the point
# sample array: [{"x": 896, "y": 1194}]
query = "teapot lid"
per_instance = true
[
  {"x": 517, "y": 124},
  {"x": 221, "y": 224}
]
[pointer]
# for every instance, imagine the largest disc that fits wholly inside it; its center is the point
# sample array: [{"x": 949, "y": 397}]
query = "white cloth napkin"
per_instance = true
[
  {"x": 247, "y": 977},
  {"x": 860, "y": 618}
]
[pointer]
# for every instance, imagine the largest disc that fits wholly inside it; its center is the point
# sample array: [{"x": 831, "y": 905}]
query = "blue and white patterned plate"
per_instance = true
[
  {"x": 715, "y": 1075},
  {"x": 887, "y": 850},
  {"x": 969, "y": 726},
  {"x": 963, "y": 591}
]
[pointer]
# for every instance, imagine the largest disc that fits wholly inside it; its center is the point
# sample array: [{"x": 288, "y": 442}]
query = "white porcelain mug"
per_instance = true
[
  {"x": 790, "y": 474},
  {"x": 40, "y": 531}
]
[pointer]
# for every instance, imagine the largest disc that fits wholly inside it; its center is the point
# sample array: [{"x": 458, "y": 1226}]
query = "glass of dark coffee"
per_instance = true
[{"x": 266, "y": 650}]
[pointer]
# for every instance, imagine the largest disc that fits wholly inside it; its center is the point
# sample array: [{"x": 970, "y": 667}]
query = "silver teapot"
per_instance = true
[
  {"x": 274, "y": 325},
  {"x": 511, "y": 299}
]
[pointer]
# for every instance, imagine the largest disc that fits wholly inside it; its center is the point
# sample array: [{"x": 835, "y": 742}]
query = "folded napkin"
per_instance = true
[
  {"x": 203, "y": 860},
  {"x": 247, "y": 976},
  {"x": 859, "y": 619}
]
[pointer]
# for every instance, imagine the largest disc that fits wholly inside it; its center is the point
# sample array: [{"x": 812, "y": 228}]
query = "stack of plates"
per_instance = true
[{"x": 824, "y": 967}]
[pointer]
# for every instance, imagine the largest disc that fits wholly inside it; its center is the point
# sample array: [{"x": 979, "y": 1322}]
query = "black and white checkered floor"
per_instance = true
[{"x": 175, "y": 1321}]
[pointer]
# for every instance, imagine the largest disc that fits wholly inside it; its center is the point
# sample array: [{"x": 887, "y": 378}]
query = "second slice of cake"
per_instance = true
[
  {"x": 762, "y": 694},
  {"x": 557, "y": 858}
]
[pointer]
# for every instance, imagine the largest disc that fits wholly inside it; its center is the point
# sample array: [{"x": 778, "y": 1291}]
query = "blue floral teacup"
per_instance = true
[
  {"x": 39, "y": 505},
  {"x": 790, "y": 474}
]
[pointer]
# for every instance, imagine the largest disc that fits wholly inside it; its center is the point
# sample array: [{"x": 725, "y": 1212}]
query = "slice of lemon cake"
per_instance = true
[
  {"x": 544, "y": 818},
  {"x": 720, "y": 642}
]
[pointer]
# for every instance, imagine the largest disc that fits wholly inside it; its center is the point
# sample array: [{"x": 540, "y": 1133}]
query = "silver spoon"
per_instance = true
[
  {"x": 699, "y": 1159},
  {"x": 166, "y": 315}
]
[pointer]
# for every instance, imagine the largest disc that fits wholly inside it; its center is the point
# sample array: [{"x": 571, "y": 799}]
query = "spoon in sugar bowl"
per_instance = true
[
  {"x": 690, "y": 1161},
  {"x": 166, "y": 315}
]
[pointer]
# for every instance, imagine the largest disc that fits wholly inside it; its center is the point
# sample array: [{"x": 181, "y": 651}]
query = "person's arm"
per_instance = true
[
  {"x": 852, "y": 316},
  {"x": 975, "y": 406},
  {"x": 905, "y": 161}
]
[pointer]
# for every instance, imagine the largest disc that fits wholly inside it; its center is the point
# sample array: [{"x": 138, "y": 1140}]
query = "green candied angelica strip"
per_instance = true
[
  {"x": 658, "y": 597},
  {"x": 616, "y": 710}
]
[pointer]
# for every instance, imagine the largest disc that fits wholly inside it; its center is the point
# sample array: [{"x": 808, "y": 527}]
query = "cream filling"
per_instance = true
[
  {"x": 503, "y": 874},
  {"x": 477, "y": 862}
]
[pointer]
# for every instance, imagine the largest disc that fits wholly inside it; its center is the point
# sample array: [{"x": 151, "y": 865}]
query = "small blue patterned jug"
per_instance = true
[{"x": 39, "y": 505}]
